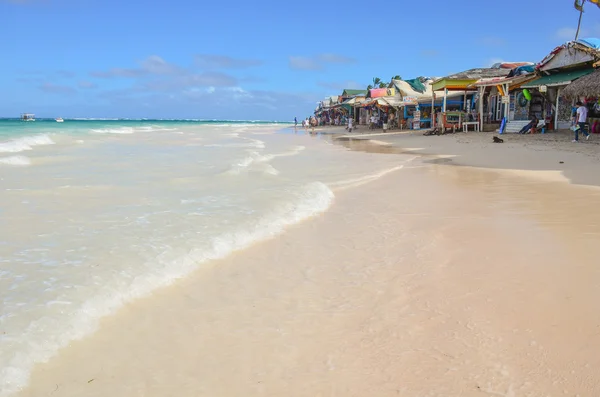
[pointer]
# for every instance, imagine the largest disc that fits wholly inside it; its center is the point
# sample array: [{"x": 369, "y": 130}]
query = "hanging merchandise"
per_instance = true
[
  {"x": 521, "y": 100},
  {"x": 500, "y": 90},
  {"x": 527, "y": 94}
]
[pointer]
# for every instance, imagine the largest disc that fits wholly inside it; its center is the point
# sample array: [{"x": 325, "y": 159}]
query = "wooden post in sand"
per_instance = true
[
  {"x": 480, "y": 106},
  {"x": 506, "y": 105},
  {"x": 445, "y": 100},
  {"x": 556, "y": 109},
  {"x": 432, "y": 115}
]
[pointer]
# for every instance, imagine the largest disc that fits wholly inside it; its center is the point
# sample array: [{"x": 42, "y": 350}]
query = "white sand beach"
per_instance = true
[{"x": 433, "y": 280}]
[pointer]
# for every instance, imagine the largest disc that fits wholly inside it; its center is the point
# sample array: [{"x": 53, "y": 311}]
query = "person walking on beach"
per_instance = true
[
  {"x": 295, "y": 122},
  {"x": 580, "y": 120}
]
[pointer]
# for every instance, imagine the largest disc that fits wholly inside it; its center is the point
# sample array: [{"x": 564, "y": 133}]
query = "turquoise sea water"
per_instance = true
[
  {"x": 96, "y": 213},
  {"x": 14, "y": 128}
]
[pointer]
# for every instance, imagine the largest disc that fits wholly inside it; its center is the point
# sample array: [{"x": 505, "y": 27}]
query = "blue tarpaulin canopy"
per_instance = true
[{"x": 590, "y": 42}]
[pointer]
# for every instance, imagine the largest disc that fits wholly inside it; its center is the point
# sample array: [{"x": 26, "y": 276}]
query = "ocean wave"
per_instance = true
[
  {"x": 25, "y": 143},
  {"x": 15, "y": 160},
  {"x": 354, "y": 182},
  {"x": 122, "y": 130},
  {"x": 39, "y": 345}
]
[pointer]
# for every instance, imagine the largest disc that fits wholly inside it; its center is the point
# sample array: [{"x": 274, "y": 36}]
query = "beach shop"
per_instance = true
[
  {"x": 587, "y": 90},
  {"x": 418, "y": 103},
  {"x": 376, "y": 104},
  {"x": 563, "y": 66},
  {"x": 349, "y": 99},
  {"x": 493, "y": 94},
  {"x": 464, "y": 82}
]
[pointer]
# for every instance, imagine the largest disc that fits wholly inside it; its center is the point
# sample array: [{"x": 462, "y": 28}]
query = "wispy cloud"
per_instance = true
[
  {"x": 335, "y": 58},
  {"x": 304, "y": 63},
  {"x": 187, "y": 81},
  {"x": 118, "y": 72},
  {"x": 429, "y": 53},
  {"x": 150, "y": 66},
  {"x": 317, "y": 62},
  {"x": 211, "y": 62},
  {"x": 57, "y": 89},
  {"x": 491, "y": 41},
  {"x": 492, "y": 61},
  {"x": 566, "y": 33},
  {"x": 86, "y": 84},
  {"x": 588, "y": 30},
  {"x": 66, "y": 74},
  {"x": 350, "y": 84}
]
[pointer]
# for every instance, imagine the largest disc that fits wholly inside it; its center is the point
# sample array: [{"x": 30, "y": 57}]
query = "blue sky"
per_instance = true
[{"x": 268, "y": 60}]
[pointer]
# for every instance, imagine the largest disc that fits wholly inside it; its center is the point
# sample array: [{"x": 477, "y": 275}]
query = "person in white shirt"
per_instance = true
[
  {"x": 580, "y": 119},
  {"x": 349, "y": 128}
]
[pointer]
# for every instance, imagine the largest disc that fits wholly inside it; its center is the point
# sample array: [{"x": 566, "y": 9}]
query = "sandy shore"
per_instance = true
[
  {"x": 431, "y": 281},
  {"x": 537, "y": 152}
]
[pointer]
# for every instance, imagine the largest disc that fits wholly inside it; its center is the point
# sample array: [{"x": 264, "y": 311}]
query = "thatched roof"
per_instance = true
[
  {"x": 479, "y": 73},
  {"x": 588, "y": 85}
]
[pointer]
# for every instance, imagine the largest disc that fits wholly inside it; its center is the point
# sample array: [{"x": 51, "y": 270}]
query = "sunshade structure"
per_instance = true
[
  {"x": 572, "y": 54},
  {"x": 564, "y": 65},
  {"x": 347, "y": 93},
  {"x": 587, "y": 85},
  {"x": 558, "y": 79},
  {"x": 464, "y": 81},
  {"x": 513, "y": 81}
]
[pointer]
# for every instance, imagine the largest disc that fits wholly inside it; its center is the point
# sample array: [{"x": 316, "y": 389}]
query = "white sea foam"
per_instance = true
[
  {"x": 15, "y": 160},
  {"x": 25, "y": 143},
  {"x": 39, "y": 345},
  {"x": 354, "y": 182},
  {"x": 254, "y": 158},
  {"x": 122, "y": 130}
]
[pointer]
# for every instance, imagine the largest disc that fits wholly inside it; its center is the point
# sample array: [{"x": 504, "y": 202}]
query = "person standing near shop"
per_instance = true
[{"x": 580, "y": 120}]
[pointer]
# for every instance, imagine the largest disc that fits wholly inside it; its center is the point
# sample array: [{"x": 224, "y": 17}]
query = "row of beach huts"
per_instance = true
[{"x": 505, "y": 96}]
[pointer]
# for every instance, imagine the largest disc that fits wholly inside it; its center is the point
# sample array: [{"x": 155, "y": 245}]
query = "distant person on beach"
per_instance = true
[
  {"x": 532, "y": 124},
  {"x": 580, "y": 120},
  {"x": 295, "y": 122}
]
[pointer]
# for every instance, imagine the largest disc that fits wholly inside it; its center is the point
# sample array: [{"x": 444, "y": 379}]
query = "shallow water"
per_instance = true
[{"x": 96, "y": 215}]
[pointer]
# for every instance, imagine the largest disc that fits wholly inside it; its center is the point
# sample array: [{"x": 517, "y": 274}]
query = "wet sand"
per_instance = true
[
  {"x": 532, "y": 152},
  {"x": 433, "y": 280}
]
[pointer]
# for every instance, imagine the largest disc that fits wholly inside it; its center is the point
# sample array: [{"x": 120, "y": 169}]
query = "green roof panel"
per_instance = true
[
  {"x": 348, "y": 92},
  {"x": 562, "y": 78}
]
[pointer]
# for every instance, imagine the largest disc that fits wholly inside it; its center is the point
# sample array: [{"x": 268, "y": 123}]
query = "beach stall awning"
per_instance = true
[
  {"x": 381, "y": 92},
  {"x": 462, "y": 80},
  {"x": 348, "y": 92},
  {"x": 513, "y": 82},
  {"x": 588, "y": 85},
  {"x": 558, "y": 79}
]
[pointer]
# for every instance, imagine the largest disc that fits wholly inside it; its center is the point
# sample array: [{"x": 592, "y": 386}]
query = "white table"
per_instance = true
[{"x": 473, "y": 123}]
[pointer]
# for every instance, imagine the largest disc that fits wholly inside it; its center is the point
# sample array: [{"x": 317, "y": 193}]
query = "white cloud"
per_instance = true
[
  {"x": 335, "y": 58},
  {"x": 57, "y": 89},
  {"x": 86, "y": 84},
  {"x": 152, "y": 65},
  {"x": 492, "y": 61},
  {"x": 304, "y": 63},
  {"x": 566, "y": 33},
  {"x": 208, "y": 61},
  {"x": 318, "y": 62},
  {"x": 349, "y": 84},
  {"x": 491, "y": 41}
]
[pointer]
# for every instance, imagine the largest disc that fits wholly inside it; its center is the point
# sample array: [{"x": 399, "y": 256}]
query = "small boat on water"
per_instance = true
[
  {"x": 28, "y": 117},
  {"x": 59, "y": 120}
]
